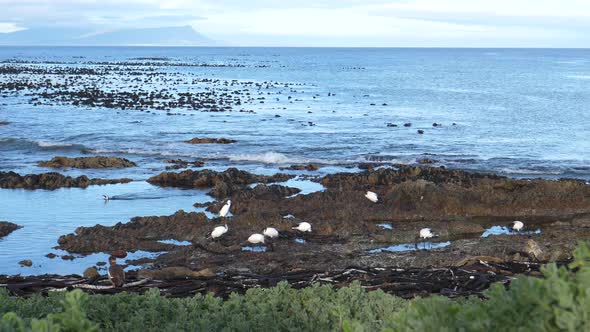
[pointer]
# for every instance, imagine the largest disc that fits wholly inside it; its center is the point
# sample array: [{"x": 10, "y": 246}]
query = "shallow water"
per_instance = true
[
  {"x": 500, "y": 230},
  {"x": 411, "y": 247},
  {"x": 45, "y": 215}
]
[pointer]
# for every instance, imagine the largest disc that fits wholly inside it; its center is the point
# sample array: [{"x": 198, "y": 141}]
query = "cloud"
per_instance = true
[
  {"x": 327, "y": 22},
  {"x": 7, "y": 27}
]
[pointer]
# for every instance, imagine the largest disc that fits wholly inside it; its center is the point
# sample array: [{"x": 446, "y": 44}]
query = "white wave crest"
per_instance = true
[{"x": 267, "y": 158}]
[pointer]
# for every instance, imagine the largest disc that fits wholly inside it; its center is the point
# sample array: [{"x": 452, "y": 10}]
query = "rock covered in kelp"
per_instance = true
[
  {"x": 91, "y": 273},
  {"x": 307, "y": 167},
  {"x": 206, "y": 140},
  {"x": 26, "y": 263},
  {"x": 223, "y": 183},
  {"x": 88, "y": 162},
  {"x": 7, "y": 228},
  {"x": 50, "y": 181},
  {"x": 458, "y": 205}
]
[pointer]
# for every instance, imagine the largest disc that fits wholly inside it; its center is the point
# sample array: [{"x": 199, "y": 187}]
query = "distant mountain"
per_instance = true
[{"x": 164, "y": 36}]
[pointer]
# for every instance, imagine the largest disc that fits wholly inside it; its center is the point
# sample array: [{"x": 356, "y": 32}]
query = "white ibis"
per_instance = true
[
  {"x": 426, "y": 233},
  {"x": 517, "y": 225},
  {"x": 256, "y": 238},
  {"x": 225, "y": 209},
  {"x": 303, "y": 227},
  {"x": 106, "y": 198},
  {"x": 219, "y": 231},
  {"x": 372, "y": 196},
  {"x": 270, "y": 232}
]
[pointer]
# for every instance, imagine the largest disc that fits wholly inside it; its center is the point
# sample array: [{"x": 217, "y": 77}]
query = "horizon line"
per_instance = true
[{"x": 332, "y": 47}]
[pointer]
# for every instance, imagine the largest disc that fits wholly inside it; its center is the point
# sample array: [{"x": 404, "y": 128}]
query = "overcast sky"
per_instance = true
[{"x": 436, "y": 23}]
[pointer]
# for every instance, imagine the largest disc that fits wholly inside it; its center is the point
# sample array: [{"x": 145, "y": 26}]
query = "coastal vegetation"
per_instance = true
[{"x": 558, "y": 301}]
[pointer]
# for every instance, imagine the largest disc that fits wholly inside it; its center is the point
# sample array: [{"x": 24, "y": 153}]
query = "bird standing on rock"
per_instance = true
[
  {"x": 303, "y": 227},
  {"x": 426, "y": 233},
  {"x": 270, "y": 232},
  {"x": 372, "y": 196},
  {"x": 225, "y": 209},
  {"x": 219, "y": 231},
  {"x": 256, "y": 238},
  {"x": 116, "y": 272},
  {"x": 517, "y": 225}
]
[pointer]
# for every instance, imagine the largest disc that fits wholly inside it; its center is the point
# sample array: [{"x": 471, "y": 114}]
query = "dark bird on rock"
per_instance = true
[{"x": 116, "y": 272}]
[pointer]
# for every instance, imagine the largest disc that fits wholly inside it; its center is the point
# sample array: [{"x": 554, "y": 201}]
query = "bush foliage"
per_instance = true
[{"x": 558, "y": 302}]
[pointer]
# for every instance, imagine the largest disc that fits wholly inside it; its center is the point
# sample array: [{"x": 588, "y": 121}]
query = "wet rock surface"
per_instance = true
[
  {"x": 223, "y": 184},
  {"x": 4, "y": 123},
  {"x": 7, "y": 228},
  {"x": 88, "y": 162},
  {"x": 50, "y": 181},
  {"x": 198, "y": 140},
  {"x": 308, "y": 167},
  {"x": 457, "y": 205}
]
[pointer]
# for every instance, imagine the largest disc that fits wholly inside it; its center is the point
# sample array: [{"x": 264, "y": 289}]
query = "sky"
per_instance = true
[{"x": 376, "y": 23}]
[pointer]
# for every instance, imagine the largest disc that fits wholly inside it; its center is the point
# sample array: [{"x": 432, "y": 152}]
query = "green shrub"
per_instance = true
[
  {"x": 71, "y": 319},
  {"x": 558, "y": 302}
]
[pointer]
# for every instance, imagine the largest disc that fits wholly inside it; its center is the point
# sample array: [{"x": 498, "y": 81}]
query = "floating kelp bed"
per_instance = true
[{"x": 472, "y": 278}]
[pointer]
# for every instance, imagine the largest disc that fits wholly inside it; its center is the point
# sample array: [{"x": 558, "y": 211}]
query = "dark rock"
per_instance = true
[
  {"x": 68, "y": 257},
  {"x": 26, "y": 262},
  {"x": 51, "y": 255},
  {"x": 420, "y": 131},
  {"x": 175, "y": 272},
  {"x": 389, "y": 124},
  {"x": 4, "y": 123},
  {"x": 223, "y": 183},
  {"x": 409, "y": 124},
  {"x": 101, "y": 263},
  {"x": 426, "y": 161},
  {"x": 50, "y": 181},
  {"x": 308, "y": 167},
  {"x": 198, "y": 140},
  {"x": 88, "y": 162},
  {"x": 119, "y": 253},
  {"x": 91, "y": 273},
  {"x": 7, "y": 228}
]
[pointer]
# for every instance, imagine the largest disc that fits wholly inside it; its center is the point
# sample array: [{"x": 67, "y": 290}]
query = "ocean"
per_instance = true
[{"x": 516, "y": 112}]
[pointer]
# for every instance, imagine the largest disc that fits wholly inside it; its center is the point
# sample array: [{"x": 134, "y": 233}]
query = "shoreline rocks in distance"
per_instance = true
[
  {"x": 51, "y": 181},
  {"x": 88, "y": 162},
  {"x": 308, "y": 167},
  {"x": 223, "y": 183},
  {"x": 206, "y": 140},
  {"x": 7, "y": 228}
]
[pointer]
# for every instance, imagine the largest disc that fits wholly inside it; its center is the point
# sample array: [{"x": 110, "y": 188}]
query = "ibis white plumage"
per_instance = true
[
  {"x": 303, "y": 227},
  {"x": 426, "y": 233},
  {"x": 225, "y": 209},
  {"x": 270, "y": 232},
  {"x": 219, "y": 231},
  {"x": 517, "y": 225},
  {"x": 372, "y": 196},
  {"x": 256, "y": 238}
]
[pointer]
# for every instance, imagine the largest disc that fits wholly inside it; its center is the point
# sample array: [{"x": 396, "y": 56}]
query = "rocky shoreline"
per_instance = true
[
  {"x": 349, "y": 230},
  {"x": 50, "y": 181},
  {"x": 87, "y": 162},
  {"x": 7, "y": 228}
]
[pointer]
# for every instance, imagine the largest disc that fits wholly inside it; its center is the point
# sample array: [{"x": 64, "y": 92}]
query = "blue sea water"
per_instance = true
[{"x": 517, "y": 112}]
